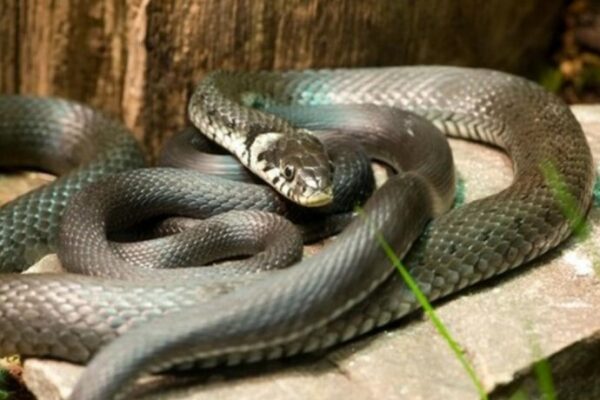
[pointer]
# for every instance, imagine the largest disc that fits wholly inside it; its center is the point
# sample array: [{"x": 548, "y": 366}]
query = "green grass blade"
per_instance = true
[
  {"x": 519, "y": 395},
  {"x": 566, "y": 201},
  {"x": 570, "y": 208},
  {"x": 430, "y": 312},
  {"x": 542, "y": 370},
  {"x": 4, "y": 394},
  {"x": 543, "y": 373}
]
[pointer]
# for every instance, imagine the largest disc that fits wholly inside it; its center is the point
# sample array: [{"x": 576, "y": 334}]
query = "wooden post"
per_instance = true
[{"x": 139, "y": 60}]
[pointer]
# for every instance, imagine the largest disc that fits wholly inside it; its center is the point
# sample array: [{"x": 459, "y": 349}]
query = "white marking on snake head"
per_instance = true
[{"x": 295, "y": 164}]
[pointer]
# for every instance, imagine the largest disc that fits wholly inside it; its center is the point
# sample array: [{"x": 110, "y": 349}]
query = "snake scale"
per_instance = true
[{"x": 348, "y": 289}]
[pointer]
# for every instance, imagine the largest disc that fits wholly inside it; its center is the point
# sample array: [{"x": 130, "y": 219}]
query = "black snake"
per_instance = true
[{"x": 346, "y": 290}]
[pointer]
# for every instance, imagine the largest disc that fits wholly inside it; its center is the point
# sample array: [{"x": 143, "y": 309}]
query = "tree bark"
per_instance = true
[{"x": 139, "y": 60}]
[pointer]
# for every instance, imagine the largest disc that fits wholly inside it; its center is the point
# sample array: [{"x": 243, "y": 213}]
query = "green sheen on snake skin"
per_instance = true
[
  {"x": 350, "y": 288},
  {"x": 63, "y": 138}
]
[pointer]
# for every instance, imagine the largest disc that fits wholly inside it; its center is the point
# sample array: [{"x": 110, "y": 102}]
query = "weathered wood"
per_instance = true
[
  {"x": 73, "y": 49},
  {"x": 9, "y": 55},
  {"x": 139, "y": 60}
]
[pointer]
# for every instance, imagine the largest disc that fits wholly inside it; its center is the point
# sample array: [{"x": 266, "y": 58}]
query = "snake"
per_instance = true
[{"x": 348, "y": 289}]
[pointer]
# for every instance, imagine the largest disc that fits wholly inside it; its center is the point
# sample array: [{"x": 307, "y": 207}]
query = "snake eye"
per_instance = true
[{"x": 288, "y": 172}]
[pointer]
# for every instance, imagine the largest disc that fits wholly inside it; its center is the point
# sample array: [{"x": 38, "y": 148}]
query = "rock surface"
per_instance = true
[{"x": 546, "y": 310}]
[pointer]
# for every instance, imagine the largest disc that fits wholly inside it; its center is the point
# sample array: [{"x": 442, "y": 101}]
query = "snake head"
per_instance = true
[{"x": 296, "y": 164}]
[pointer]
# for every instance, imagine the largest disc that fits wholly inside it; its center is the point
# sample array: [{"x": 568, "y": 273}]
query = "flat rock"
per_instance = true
[{"x": 548, "y": 310}]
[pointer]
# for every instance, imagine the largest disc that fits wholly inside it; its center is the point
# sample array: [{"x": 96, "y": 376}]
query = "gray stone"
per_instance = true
[
  {"x": 50, "y": 380},
  {"x": 546, "y": 310},
  {"x": 48, "y": 264}
]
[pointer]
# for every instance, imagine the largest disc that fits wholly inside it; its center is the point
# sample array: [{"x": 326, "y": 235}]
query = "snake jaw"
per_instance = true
[
  {"x": 317, "y": 199},
  {"x": 314, "y": 187}
]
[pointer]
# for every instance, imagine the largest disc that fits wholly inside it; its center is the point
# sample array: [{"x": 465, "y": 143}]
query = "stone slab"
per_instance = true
[{"x": 546, "y": 310}]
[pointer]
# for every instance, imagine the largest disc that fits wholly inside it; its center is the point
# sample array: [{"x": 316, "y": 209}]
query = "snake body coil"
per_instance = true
[{"x": 350, "y": 287}]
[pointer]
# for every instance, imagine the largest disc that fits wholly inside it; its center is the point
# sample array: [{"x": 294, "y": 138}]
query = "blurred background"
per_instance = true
[{"x": 139, "y": 60}]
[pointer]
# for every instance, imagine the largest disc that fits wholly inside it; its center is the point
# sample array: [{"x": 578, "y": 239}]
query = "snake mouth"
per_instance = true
[{"x": 317, "y": 199}]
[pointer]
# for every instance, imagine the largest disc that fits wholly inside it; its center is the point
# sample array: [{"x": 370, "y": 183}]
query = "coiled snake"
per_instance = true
[{"x": 346, "y": 290}]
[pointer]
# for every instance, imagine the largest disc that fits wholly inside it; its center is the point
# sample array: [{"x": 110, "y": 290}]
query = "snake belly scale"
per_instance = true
[{"x": 331, "y": 302}]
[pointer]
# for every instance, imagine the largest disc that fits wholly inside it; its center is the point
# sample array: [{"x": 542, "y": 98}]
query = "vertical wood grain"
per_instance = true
[
  {"x": 139, "y": 60},
  {"x": 9, "y": 51}
]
